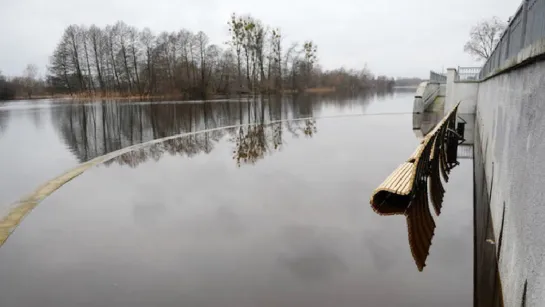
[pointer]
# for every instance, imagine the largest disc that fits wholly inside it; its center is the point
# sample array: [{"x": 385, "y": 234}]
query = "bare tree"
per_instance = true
[
  {"x": 236, "y": 29},
  {"x": 292, "y": 63},
  {"x": 111, "y": 34},
  {"x": 310, "y": 49},
  {"x": 484, "y": 37},
  {"x": 72, "y": 35},
  {"x": 275, "y": 59},
  {"x": 122, "y": 31},
  {"x": 213, "y": 68},
  {"x": 29, "y": 78},
  {"x": 134, "y": 44},
  {"x": 148, "y": 40},
  {"x": 202, "y": 43},
  {"x": 185, "y": 39},
  {"x": 85, "y": 39},
  {"x": 123, "y": 60},
  {"x": 97, "y": 48}
]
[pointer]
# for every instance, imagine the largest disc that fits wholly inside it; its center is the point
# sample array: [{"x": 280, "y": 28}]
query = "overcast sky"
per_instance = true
[{"x": 393, "y": 37}]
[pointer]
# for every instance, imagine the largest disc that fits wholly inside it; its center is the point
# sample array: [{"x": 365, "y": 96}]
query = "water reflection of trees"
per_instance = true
[
  {"x": 4, "y": 119},
  {"x": 187, "y": 146},
  {"x": 92, "y": 130},
  {"x": 250, "y": 143}
]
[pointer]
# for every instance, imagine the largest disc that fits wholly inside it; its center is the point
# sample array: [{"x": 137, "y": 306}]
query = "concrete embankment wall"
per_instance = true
[
  {"x": 426, "y": 94},
  {"x": 510, "y": 114},
  {"x": 464, "y": 92}
]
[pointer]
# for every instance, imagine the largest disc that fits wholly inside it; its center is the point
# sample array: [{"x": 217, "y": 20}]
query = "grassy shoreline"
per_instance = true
[{"x": 170, "y": 97}]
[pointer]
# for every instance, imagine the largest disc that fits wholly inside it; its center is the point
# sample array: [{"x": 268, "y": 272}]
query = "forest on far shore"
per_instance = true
[{"x": 122, "y": 61}]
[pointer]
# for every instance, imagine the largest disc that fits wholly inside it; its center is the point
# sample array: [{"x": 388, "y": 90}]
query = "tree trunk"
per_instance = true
[
  {"x": 136, "y": 70},
  {"x": 97, "y": 63},
  {"x": 124, "y": 53},
  {"x": 148, "y": 54},
  {"x": 239, "y": 64},
  {"x": 75, "y": 59},
  {"x": 116, "y": 75},
  {"x": 89, "y": 74},
  {"x": 248, "y": 70}
]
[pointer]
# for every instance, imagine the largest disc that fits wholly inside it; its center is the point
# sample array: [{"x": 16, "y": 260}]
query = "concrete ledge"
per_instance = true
[{"x": 467, "y": 81}]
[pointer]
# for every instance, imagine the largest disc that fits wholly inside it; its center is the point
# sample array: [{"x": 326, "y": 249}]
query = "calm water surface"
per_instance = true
[
  {"x": 266, "y": 214},
  {"x": 41, "y": 139}
]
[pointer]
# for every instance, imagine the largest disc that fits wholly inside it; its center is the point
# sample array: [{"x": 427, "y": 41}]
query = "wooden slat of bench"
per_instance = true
[
  {"x": 406, "y": 176},
  {"x": 394, "y": 181}
]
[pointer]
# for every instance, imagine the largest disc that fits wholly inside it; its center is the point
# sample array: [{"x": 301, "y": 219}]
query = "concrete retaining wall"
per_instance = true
[
  {"x": 464, "y": 91},
  {"x": 425, "y": 95},
  {"x": 510, "y": 115}
]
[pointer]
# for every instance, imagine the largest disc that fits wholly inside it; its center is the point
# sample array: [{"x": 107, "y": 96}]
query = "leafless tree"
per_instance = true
[
  {"x": 202, "y": 43},
  {"x": 122, "y": 60},
  {"x": 292, "y": 61},
  {"x": 85, "y": 39},
  {"x": 29, "y": 78},
  {"x": 310, "y": 49},
  {"x": 148, "y": 42},
  {"x": 275, "y": 59},
  {"x": 236, "y": 29},
  {"x": 72, "y": 38},
  {"x": 97, "y": 48},
  {"x": 135, "y": 47},
  {"x": 484, "y": 37}
]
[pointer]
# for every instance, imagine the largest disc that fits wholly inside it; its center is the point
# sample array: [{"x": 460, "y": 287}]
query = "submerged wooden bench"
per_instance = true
[{"x": 405, "y": 191}]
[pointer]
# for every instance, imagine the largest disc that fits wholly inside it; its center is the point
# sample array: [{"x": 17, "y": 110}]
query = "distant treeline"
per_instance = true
[
  {"x": 121, "y": 60},
  {"x": 25, "y": 86},
  {"x": 7, "y": 90},
  {"x": 408, "y": 81}
]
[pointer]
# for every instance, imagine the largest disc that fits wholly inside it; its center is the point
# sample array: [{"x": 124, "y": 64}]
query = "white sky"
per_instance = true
[{"x": 393, "y": 37}]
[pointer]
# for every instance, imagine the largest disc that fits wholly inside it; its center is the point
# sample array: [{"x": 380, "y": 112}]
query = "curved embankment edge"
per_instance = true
[{"x": 20, "y": 209}]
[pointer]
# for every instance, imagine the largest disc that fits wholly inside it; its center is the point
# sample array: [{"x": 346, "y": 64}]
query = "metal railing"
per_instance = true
[
  {"x": 525, "y": 28},
  {"x": 468, "y": 73},
  {"x": 465, "y": 151},
  {"x": 437, "y": 77}
]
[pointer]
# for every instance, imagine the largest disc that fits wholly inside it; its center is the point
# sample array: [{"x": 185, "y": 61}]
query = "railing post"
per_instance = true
[{"x": 524, "y": 23}]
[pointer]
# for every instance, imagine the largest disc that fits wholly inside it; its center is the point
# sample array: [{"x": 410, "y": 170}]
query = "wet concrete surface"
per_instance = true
[
  {"x": 264, "y": 215},
  {"x": 488, "y": 287}
]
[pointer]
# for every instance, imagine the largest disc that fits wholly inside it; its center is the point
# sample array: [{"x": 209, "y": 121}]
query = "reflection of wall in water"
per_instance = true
[
  {"x": 465, "y": 150},
  {"x": 487, "y": 286},
  {"x": 424, "y": 122},
  {"x": 4, "y": 120}
]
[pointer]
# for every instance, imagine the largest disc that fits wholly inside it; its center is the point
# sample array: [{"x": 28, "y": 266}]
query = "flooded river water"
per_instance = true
[{"x": 271, "y": 211}]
